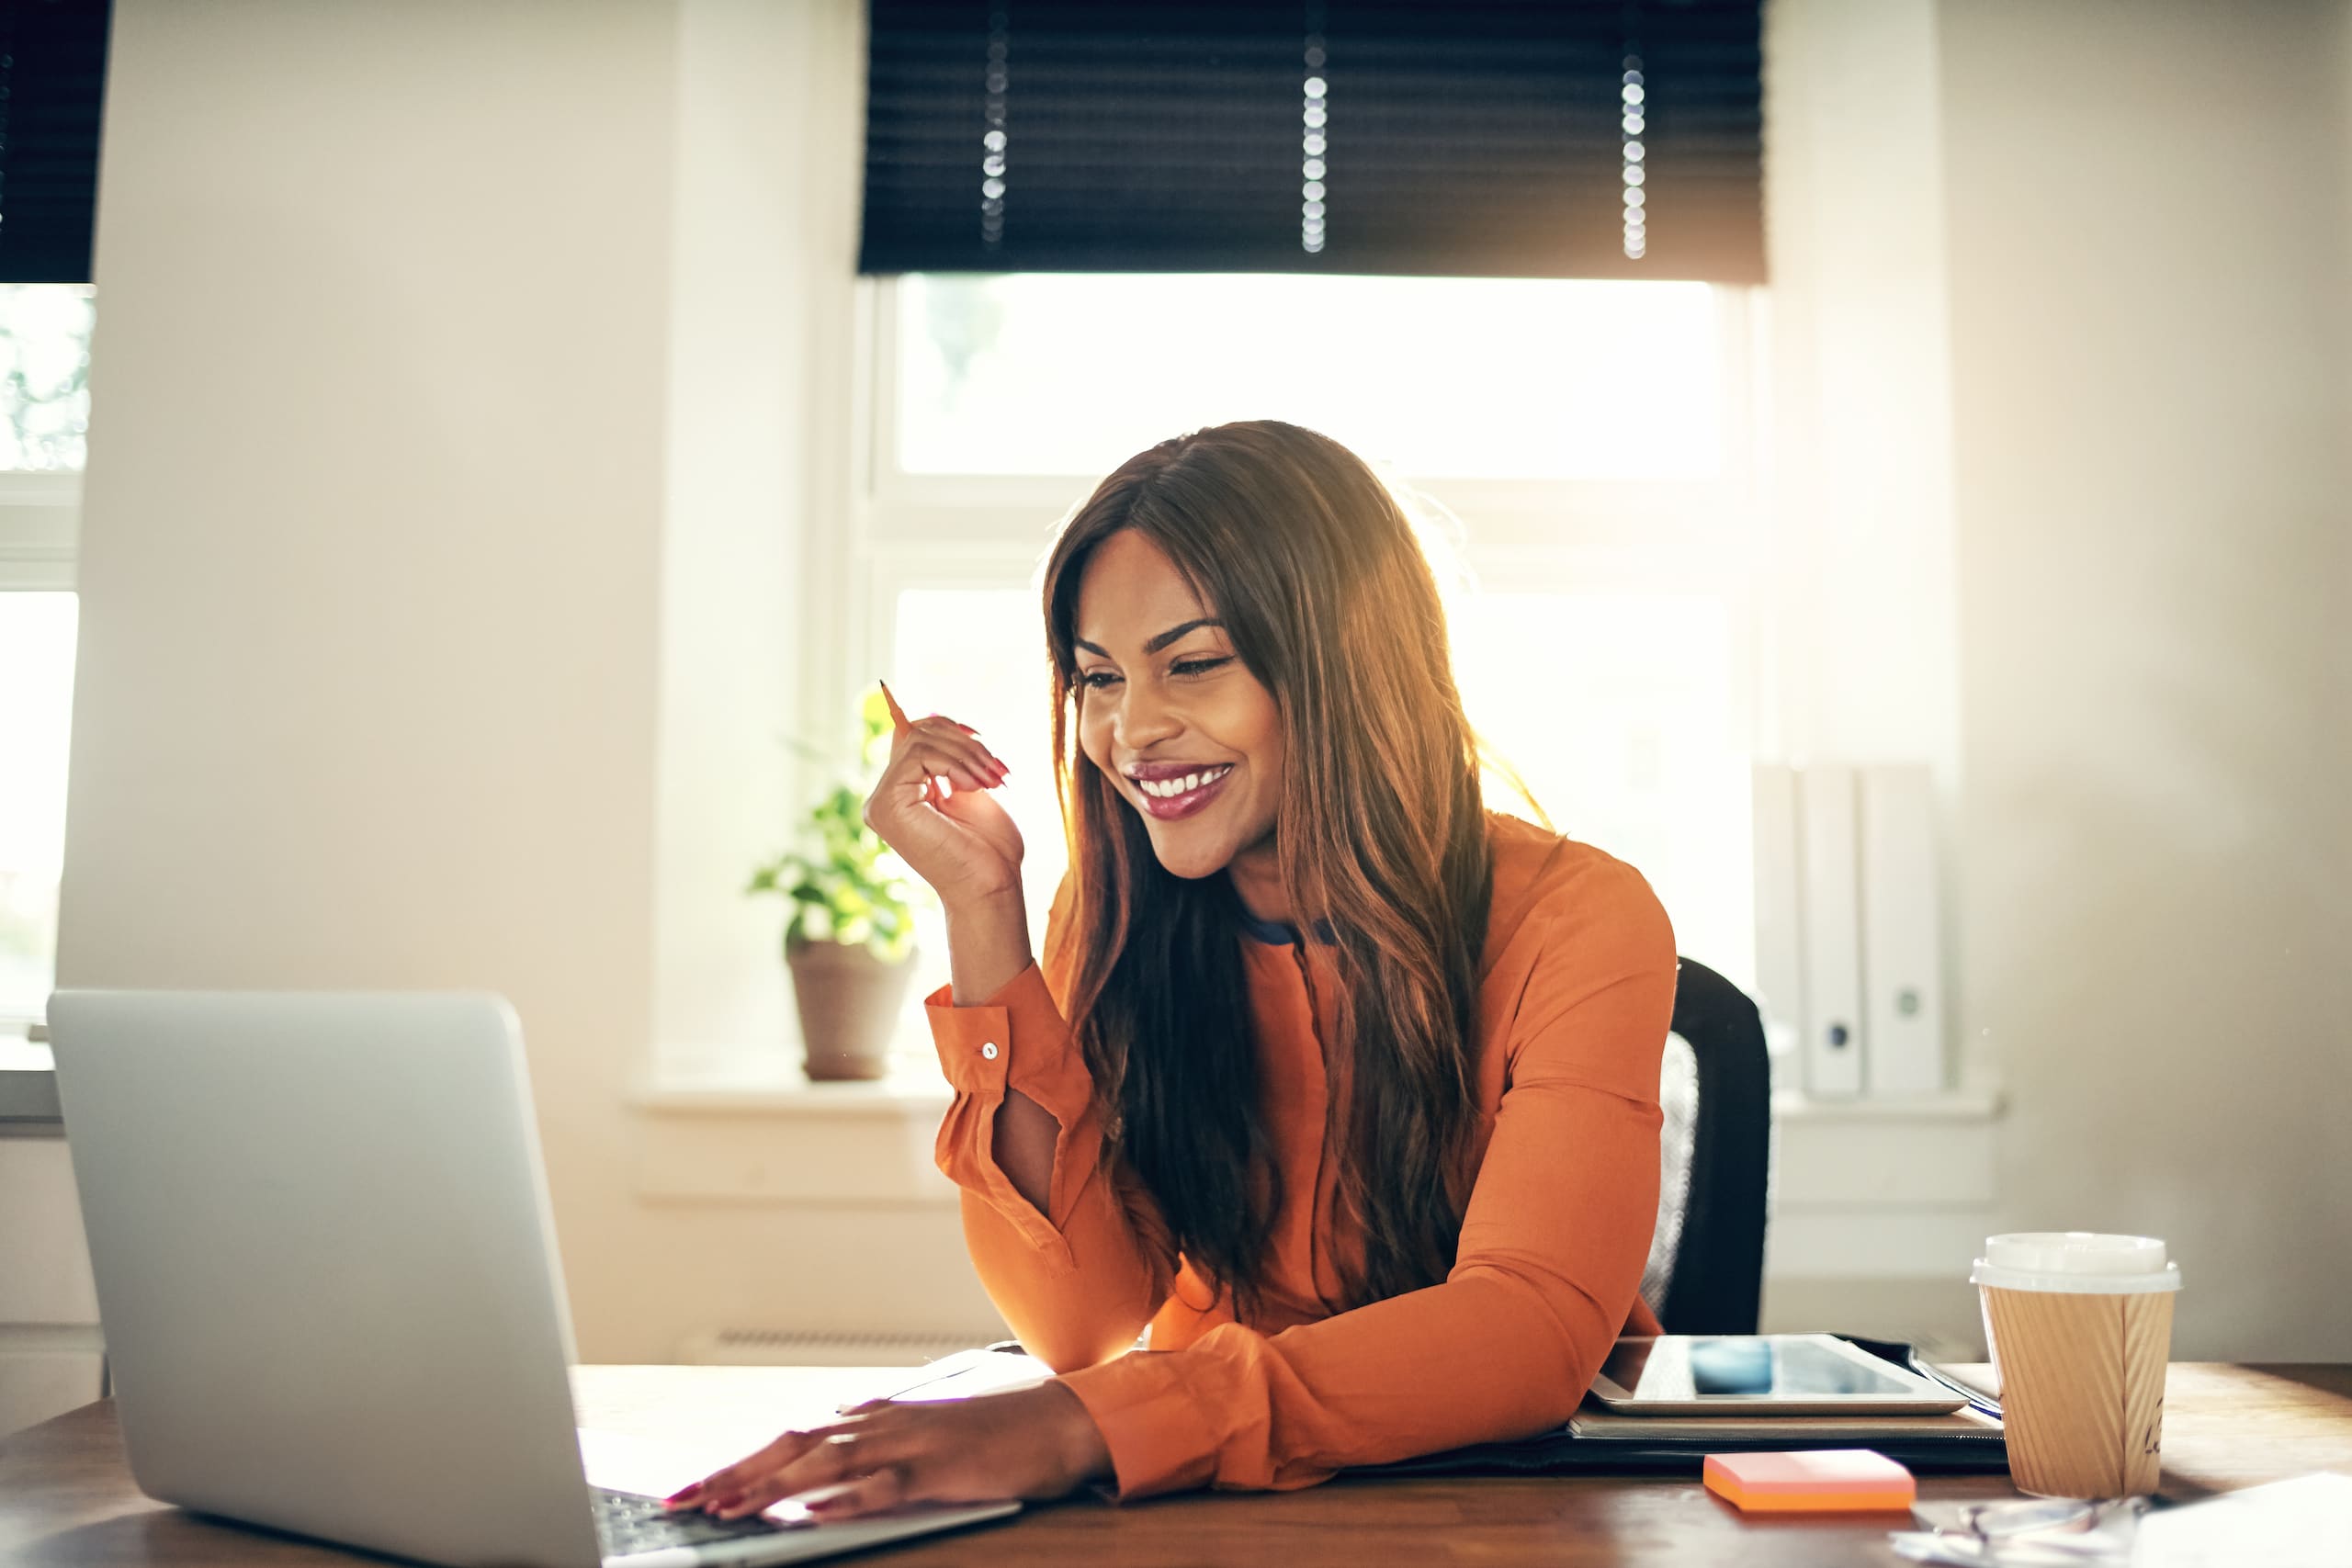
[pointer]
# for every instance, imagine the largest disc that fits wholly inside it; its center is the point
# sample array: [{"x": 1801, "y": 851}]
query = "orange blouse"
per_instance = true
[{"x": 1577, "y": 988}]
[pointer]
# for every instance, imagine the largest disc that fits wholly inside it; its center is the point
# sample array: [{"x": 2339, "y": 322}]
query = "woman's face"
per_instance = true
[{"x": 1178, "y": 725}]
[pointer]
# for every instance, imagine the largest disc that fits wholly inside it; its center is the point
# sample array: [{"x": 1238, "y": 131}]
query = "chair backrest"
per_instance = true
[{"x": 1706, "y": 1268}]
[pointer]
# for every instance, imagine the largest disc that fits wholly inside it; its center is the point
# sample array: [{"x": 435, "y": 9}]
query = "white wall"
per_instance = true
[
  {"x": 2151, "y": 339},
  {"x": 370, "y": 542},
  {"x": 395, "y": 670}
]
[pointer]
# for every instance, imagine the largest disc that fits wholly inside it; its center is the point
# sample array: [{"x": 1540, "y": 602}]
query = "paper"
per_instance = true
[{"x": 2303, "y": 1523}]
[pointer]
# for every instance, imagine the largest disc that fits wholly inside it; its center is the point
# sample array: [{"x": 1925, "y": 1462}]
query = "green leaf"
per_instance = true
[{"x": 845, "y": 884}]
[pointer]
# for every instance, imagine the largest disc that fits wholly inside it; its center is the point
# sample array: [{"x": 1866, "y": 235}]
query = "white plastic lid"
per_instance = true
[{"x": 2076, "y": 1262}]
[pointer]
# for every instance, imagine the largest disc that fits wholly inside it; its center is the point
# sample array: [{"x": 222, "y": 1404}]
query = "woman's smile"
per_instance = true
[{"x": 1168, "y": 791}]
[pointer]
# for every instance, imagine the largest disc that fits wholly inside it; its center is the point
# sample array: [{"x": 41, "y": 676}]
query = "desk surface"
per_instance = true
[{"x": 65, "y": 1497}]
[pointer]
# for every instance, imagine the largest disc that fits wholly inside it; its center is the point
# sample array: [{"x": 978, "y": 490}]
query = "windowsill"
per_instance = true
[
  {"x": 913, "y": 1088},
  {"x": 1904, "y": 1184},
  {"x": 1944, "y": 1105},
  {"x": 1890, "y": 1190}
]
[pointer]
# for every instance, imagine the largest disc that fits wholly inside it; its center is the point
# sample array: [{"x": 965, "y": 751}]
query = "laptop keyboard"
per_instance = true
[{"x": 627, "y": 1524}]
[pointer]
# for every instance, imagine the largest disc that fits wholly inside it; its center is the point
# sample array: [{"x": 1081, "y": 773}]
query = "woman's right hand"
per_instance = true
[{"x": 959, "y": 839}]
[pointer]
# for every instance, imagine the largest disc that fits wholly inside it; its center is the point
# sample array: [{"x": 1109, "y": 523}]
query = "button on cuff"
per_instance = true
[{"x": 960, "y": 1034}]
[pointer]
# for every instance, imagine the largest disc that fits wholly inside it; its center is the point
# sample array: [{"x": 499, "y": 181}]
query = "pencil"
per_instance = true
[
  {"x": 898, "y": 718},
  {"x": 897, "y": 714}
]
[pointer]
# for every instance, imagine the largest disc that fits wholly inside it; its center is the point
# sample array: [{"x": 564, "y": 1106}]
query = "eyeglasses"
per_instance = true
[{"x": 2054, "y": 1532}]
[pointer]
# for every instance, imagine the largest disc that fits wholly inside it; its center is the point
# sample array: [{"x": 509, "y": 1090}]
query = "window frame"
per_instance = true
[
  {"x": 40, "y": 521},
  {"x": 1708, "y": 537}
]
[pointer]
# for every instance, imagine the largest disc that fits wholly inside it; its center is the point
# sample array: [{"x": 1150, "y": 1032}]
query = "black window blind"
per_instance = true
[
  {"x": 1466, "y": 138},
  {"x": 52, "y": 76}
]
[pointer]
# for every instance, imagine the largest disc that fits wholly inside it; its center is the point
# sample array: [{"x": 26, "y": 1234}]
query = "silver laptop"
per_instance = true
[{"x": 328, "y": 1279}]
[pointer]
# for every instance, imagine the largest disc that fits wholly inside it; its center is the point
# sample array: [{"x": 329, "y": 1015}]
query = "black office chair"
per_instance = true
[{"x": 1706, "y": 1266}]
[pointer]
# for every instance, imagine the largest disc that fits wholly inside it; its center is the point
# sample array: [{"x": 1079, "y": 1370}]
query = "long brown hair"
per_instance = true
[{"x": 1380, "y": 848}]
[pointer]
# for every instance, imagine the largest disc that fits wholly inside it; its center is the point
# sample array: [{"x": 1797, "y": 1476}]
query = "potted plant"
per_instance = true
[{"x": 849, "y": 939}]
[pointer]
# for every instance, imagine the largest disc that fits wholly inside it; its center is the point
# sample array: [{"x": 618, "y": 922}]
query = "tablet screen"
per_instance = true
[{"x": 1781, "y": 1366}]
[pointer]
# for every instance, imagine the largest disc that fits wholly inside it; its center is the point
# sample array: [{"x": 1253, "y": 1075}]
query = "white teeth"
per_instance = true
[{"x": 1168, "y": 789}]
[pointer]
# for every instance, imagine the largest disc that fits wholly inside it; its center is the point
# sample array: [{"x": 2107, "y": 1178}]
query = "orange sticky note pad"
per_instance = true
[{"x": 1819, "y": 1481}]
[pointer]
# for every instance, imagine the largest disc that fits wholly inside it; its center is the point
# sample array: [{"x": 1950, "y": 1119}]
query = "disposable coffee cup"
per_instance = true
[{"x": 2080, "y": 1326}]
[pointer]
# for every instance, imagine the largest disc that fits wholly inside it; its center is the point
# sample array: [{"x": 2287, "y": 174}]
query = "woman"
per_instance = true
[{"x": 1341, "y": 1086}]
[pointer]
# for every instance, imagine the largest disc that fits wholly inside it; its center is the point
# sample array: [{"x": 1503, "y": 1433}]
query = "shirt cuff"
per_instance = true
[
  {"x": 1015, "y": 1039},
  {"x": 1158, "y": 1440},
  {"x": 975, "y": 1043}
]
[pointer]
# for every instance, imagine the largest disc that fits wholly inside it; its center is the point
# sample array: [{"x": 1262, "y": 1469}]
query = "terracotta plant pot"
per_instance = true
[{"x": 849, "y": 1002}]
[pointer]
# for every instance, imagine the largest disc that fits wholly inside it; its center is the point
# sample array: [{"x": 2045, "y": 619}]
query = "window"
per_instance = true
[
  {"x": 1594, "y": 440},
  {"x": 1488, "y": 378},
  {"x": 44, "y": 386},
  {"x": 44, "y": 376}
]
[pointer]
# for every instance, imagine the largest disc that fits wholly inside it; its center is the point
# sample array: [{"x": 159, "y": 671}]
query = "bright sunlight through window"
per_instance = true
[
  {"x": 44, "y": 375},
  {"x": 1050, "y": 372}
]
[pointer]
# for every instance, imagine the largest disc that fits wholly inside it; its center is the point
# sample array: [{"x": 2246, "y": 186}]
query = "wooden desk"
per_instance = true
[{"x": 65, "y": 1497}]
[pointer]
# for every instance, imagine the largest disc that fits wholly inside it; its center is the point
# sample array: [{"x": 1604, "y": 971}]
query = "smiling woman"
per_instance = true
[
  {"x": 1179, "y": 688},
  {"x": 1341, "y": 1086},
  {"x": 1269, "y": 542}
]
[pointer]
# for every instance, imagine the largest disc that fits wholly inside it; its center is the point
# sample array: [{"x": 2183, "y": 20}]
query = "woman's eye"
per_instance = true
[
  {"x": 1198, "y": 666},
  {"x": 1095, "y": 680}
]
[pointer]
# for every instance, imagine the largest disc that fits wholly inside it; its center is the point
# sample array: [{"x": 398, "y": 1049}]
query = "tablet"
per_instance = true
[{"x": 1767, "y": 1374}]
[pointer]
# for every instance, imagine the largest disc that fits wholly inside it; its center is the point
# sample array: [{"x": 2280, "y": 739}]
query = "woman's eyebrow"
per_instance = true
[{"x": 1156, "y": 644}]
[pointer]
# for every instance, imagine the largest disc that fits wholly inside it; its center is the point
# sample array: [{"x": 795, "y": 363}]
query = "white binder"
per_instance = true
[
  {"x": 1902, "y": 1003},
  {"x": 1834, "y": 1042},
  {"x": 1780, "y": 938}
]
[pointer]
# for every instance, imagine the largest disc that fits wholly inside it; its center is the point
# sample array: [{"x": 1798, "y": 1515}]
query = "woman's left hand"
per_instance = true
[{"x": 1031, "y": 1443}]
